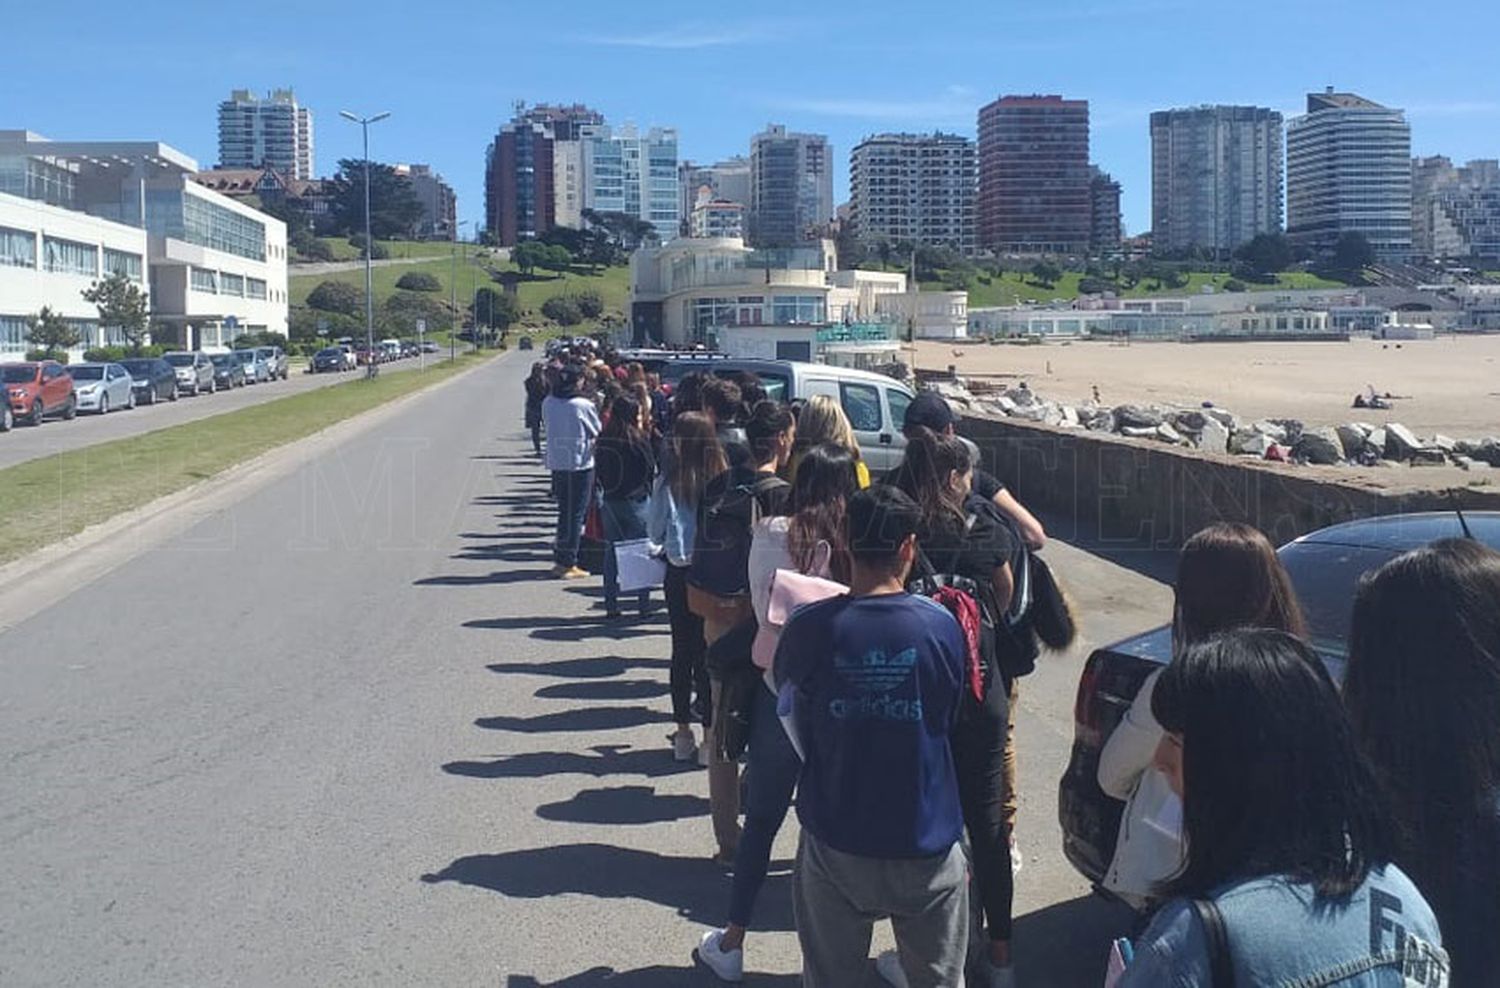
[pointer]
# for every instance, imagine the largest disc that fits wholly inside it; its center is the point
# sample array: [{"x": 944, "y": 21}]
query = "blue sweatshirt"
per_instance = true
[{"x": 875, "y": 689}]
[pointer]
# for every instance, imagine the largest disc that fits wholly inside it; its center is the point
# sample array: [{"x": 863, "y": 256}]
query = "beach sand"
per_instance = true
[{"x": 1449, "y": 385}]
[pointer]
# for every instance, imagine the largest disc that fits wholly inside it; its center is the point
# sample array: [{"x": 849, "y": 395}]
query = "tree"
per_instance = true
[
  {"x": 497, "y": 309},
  {"x": 304, "y": 325},
  {"x": 554, "y": 257},
  {"x": 528, "y": 255},
  {"x": 1234, "y": 285},
  {"x": 419, "y": 281},
  {"x": 399, "y": 314},
  {"x": 1045, "y": 273},
  {"x": 122, "y": 306},
  {"x": 337, "y": 296},
  {"x": 589, "y": 303},
  {"x": 394, "y": 209},
  {"x": 562, "y": 310},
  {"x": 377, "y": 250},
  {"x": 1352, "y": 253},
  {"x": 50, "y": 333},
  {"x": 1265, "y": 254}
]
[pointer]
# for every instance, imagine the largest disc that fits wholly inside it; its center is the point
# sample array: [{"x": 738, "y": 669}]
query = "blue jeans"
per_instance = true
[
  {"x": 773, "y": 767},
  {"x": 572, "y": 488},
  {"x": 623, "y": 519}
]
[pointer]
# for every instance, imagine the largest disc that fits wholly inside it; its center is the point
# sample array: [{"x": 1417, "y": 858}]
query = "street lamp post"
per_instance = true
[
  {"x": 453, "y": 290},
  {"x": 371, "y": 369}
]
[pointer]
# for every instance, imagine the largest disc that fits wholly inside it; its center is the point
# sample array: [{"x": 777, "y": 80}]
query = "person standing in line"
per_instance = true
[
  {"x": 874, "y": 680},
  {"x": 624, "y": 466},
  {"x": 812, "y": 540},
  {"x": 1423, "y": 689},
  {"x": 536, "y": 393},
  {"x": 1228, "y": 576},
  {"x": 819, "y": 421},
  {"x": 693, "y": 460},
  {"x": 1289, "y": 876},
  {"x": 572, "y": 424},
  {"x": 722, "y": 401}
]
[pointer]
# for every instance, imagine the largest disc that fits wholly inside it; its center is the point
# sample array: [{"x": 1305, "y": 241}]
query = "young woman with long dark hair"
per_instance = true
[
  {"x": 812, "y": 540},
  {"x": 1228, "y": 577},
  {"x": 1289, "y": 842},
  {"x": 1423, "y": 689},
  {"x": 536, "y": 393},
  {"x": 624, "y": 467},
  {"x": 964, "y": 535},
  {"x": 693, "y": 459}
]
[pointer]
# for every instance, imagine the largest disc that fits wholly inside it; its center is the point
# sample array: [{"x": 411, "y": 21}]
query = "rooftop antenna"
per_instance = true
[{"x": 1458, "y": 510}]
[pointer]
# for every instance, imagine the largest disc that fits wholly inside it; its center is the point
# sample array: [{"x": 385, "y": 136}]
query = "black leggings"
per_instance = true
[
  {"x": 979, "y": 759},
  {"x": 536, "y": 437},
  {"x": 688, "y": 674}
]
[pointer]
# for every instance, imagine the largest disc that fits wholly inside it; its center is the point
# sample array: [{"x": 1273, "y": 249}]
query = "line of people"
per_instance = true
[{"x": 856, "y": 643}]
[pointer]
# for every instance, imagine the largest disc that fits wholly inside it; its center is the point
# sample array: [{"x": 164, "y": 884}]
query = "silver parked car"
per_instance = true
[
  {"x": 101, "y": 387},
  {"x": 256, "y": 369},
  {"x": 276, "y": 361},
  {"x": 195, "y": 372}
]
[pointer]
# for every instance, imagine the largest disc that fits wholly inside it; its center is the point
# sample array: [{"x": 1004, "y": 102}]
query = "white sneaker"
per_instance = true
[
  {"x": 684, "y": 748},
  {"x": 888, "y": 966},
  {"x": 727, "y": 965}
]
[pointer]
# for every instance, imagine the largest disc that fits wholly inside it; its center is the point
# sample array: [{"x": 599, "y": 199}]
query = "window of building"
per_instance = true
[
  {"x": 231, "y": 284},
  {"x": 790, "y": 310},
  {"x": 70, "y": 257},
  {"x": 12, "y": 334},
  {"x": 125, "y": 263},
  {"x": 17, "y": 248},
  {"x": 204, "y": 280},
  {"x": 255, "y": 288}
]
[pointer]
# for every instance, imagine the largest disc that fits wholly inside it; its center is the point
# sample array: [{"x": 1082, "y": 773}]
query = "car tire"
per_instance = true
[
  {"x": 173, "y": 395},
  {"x": 104, "y": 404},
  {"x": 38, "y": 412},
  {"x": 71, "y": 409}
]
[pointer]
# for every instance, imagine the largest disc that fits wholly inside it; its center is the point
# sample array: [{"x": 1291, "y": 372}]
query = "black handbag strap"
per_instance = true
[{"x": 1220, "y": 968}]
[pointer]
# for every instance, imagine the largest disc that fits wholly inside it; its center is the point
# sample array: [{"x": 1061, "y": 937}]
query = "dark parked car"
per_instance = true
[
  {"x": 329, "y": 359},
  {"x": 153, "y": 379},
  {"x": 38, "y": 388},
  {"x": 524, "y": 343},
  {"x": 228, "y": 372},
  {"x": 1324, "y": 566}
]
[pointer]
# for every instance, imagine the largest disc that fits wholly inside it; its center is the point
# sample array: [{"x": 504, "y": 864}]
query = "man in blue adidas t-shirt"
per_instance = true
[{"x": 875, "y": 678}]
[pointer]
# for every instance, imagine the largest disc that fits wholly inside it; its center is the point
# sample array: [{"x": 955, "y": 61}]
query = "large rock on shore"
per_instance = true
[
  {"x": 1189, "y": 421},
  {"x": 1136, "y": 417},
  {"x": 1487, "y": 450},
  {"x": 1167, "y": 434},
  {"x": 1251, "y": 442},
  {"x": 1400, "y": 442},
  {"x": 1321, "y": 446},
  {"x": 1224, "y": 417},
  {"x": 1214, "y": 438},
  {"x": 1273, "y": 431}
]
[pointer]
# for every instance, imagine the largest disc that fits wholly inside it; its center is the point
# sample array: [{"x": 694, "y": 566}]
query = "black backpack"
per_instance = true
[{"x": 721, "y": 548}]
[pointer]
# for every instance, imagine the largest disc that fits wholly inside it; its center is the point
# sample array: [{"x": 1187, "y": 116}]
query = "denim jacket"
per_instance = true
[
  {"x": 1280, "y": 933},
  {"x": 671, "y": 525}
]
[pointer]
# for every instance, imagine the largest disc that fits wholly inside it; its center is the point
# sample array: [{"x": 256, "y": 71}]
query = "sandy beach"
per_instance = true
[{"x": 1449, "y": 385}]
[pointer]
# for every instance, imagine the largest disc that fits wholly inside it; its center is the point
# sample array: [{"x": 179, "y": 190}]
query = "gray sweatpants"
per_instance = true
[{"x": 838, "y": 898}]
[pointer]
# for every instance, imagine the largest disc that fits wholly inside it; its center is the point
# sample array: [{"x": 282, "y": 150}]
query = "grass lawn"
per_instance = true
[
  {"x": 57, "y": 496},
  {"x": 345, "y": 251},
  {"x": 1017, "y": 288}
]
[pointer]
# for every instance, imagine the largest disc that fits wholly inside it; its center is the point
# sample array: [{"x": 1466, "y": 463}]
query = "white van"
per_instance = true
[{"x": 875, "y": 404}]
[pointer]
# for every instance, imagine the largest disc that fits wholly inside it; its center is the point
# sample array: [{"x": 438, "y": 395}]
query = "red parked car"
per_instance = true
[{"x": 36, "y": 389}]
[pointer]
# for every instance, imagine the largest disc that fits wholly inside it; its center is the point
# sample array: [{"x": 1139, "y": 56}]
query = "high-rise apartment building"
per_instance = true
[
  {"x": 1456, "y": 210},
  {"x": 726, "y": 181},
  {"x": 1105, "y": 224},
  {"x": 791, "y": 186},
  {"x": 917, "y": 188},
  {"x": 439, "y": 205},
  {"x": 1348, "y": 170},
  {"x": 1034, "y": 178},
  {"x": 274, "y": 132},
  {"x": 534, "y": 171},
  {"x": 629, "y": 172},
  {"x": 1215, "y": 176}
]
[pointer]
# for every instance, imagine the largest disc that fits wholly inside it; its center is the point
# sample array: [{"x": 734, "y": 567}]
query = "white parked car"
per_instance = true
[
  {"x": 101, "y": 387},
  {"x": 256, "y": 370}
]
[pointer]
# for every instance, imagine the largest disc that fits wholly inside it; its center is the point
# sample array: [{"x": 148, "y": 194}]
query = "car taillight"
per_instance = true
[{"x": 1107, "y": 687}]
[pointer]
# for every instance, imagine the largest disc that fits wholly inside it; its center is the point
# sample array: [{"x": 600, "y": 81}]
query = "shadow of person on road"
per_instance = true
[
  {"x": 535, "y": 551},
  {"x": 693, "y": 887},
  {"x": 606, "y": 760},
  {"x": 495, "y": 579},
  {"x": 625, "y": 689},
  {"x": 656, "y": 976},
  {"x": 1068, "y": 943},
  {"x": 576, "y": 629},
  {"x": 624, "y": 806},
  {"x": 581, "y": 719},
  {"x": 600, "y": 667}
]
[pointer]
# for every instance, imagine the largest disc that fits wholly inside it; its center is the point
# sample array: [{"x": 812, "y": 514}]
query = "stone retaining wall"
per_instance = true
[{"x": 1136, "y": 494}]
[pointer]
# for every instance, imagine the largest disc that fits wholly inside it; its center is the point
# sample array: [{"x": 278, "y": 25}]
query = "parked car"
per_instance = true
[
  {"x": 366, "y": 356},
  {"x": 152, "y": 379},
  {"x": 409, "y": 349},
  {"x": 195, "y": 372},
  {"x": 524, "y": 343},
  {"x": 429, "y": 347},
  {"x": 1325, "y": 567},
  {"x": 390, "y": 348},
  {"x": 276, "y": 361},
  {"x": 38, "y": 388},
  {"x": 875, "y": 404},
  {"x": 329, "y": 359},
  {"x": 255, "y": 368},
  {"x": 102, "y": 386},
  {"x": 228, "y": 371},
  {"x": 351, "y": 358}
]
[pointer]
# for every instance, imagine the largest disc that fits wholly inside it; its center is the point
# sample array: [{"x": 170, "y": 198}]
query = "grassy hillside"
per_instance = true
[
  {"x": 1016, "y": 288},
  {"x": 344, "y": 251}
]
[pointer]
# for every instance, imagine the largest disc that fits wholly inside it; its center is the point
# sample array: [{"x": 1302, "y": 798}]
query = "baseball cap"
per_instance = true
[{"x": 930, "y": 410}]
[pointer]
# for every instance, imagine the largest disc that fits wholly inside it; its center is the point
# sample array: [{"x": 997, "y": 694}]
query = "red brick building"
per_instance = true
[{"x": 1034, "y": 176}]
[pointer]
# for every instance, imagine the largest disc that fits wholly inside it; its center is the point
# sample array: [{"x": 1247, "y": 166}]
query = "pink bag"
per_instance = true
[{"x": 789, "y": 591}]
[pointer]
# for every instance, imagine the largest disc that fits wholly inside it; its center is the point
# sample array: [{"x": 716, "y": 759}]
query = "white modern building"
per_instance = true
[
  {"x": 915, "y": 188},
  {"x": 791, "y": 187},
  {"x": 274, "y": 132},
  {"x": 716, "y": 218},
  {"x": 1216, "y": 177},
  {"x": 626, "y": 171},
  {"x": 727, "y": 181},
  {"x": 214, "y": 267},
  {"x": 1348, "y": 170}
]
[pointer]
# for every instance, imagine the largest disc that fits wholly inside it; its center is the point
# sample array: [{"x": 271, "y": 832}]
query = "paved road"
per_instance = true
[
  {"x": 56, "y": 436},
  {"x": 344, "y": 732}
]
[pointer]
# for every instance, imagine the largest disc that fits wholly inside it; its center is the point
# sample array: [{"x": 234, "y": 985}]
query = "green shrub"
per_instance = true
[
  {"x": 378, "y": 251},
  {"x": 61, "y": 356},
  {"x": 337, "y": 296},
  {"x": 1234, "y": 285},
  {"x": 590, "y": 304},
  {"x": 563, "y": 310},
  {"x": 419, "y": 281}
]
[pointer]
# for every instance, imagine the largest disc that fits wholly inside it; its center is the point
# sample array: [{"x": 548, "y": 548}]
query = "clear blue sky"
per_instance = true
[{"x": 449, "y": 71}]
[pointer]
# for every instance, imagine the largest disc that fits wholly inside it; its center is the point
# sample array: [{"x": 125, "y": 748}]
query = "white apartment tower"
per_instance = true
[
  {"x": 1215, "y": 176},
  {"x": 626, "y": 171},
  {"x": 1348, "y": 170},
  {"x": 914, "y": 187},
  {"x": 791, "y": 186},
  {"x": 274, "y": 132}
]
